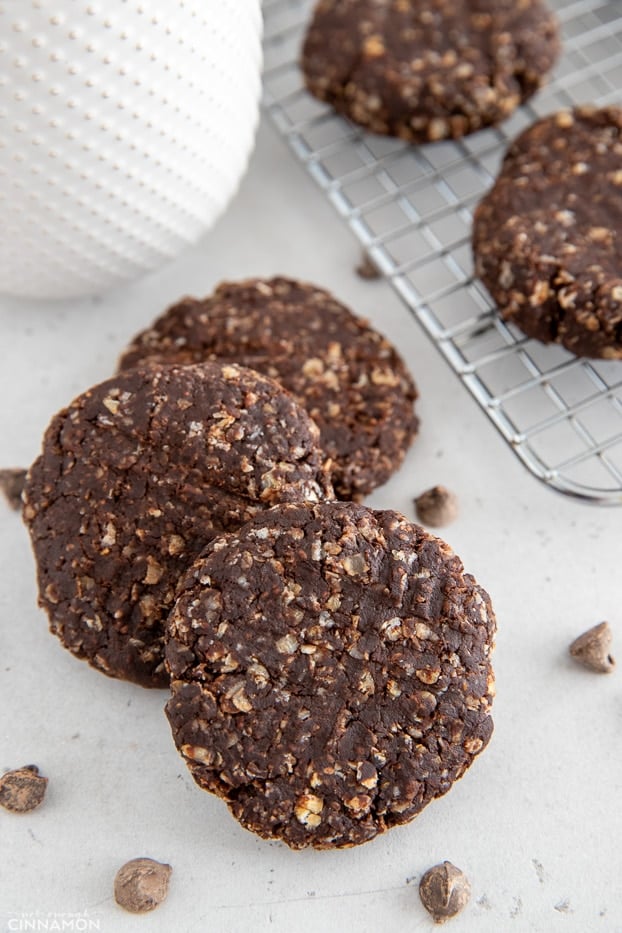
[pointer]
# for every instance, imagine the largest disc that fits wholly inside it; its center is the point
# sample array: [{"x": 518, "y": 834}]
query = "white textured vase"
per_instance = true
[{"x": 125, "y": 128}]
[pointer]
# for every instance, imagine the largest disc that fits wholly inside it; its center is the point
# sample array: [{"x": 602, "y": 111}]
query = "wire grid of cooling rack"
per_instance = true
[{"x": 411, "y": 208}]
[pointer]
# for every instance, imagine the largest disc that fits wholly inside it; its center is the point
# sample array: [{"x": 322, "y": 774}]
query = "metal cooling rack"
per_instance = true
[{"x": 411, "y": 208}]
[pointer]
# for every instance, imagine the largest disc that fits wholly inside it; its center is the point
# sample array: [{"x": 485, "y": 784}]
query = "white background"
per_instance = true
[{"x": 537, "y": 821}]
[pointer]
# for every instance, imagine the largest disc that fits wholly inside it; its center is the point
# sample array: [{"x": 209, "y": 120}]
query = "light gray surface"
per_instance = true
[{"x": 536, "y": 822}]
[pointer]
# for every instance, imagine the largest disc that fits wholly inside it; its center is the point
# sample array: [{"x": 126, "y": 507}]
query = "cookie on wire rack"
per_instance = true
[
  {"x": 547, "y": 238},
  {"x": 426, "y": 71}
]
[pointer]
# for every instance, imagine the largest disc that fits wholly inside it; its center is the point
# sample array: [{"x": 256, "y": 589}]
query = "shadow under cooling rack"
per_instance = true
[{"x": 411, "y": 208}]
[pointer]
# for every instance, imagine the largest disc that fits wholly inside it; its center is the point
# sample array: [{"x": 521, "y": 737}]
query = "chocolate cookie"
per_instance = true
[
  {"x": 547, "y": 238},
  {"x": 330, "y": 672},
  {"x": 137, "y": 475},
  {"x": 430, "y": 70},
  {"x": 348, "y": 377}
]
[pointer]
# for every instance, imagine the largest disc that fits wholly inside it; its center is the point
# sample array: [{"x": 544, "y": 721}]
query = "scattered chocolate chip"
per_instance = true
[
  {"x": 23, "y": 789},
  {"x": 436, "y": 506},
  {"x": 591, "y": 649},
  {"x": 367, "y": 268},
  {"x": 141, "y": 885},
  {"x": 444, "y": 891},
  {"x": 11, "y": 484}
]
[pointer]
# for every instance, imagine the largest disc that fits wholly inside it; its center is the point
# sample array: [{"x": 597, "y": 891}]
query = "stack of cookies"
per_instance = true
[{"x": 196, "y": 520}]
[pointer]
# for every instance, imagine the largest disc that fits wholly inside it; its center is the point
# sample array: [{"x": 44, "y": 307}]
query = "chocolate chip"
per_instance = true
[
  {"x": 445, "y": 891},
  {"x": 22, "y": 790},
  {"x": 367, "y": 268},
  {"x": 436, "y": 507},
  {"x": 591, "y": 649},
  {"x": 11, "y": 485},
  {"x": 141, "y": 885}
]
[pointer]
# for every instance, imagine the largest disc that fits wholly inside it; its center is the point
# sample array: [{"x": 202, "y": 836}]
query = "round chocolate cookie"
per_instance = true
[
  {"x": 348, "y": 377},
  {"x": 548, "y": 237},
  {"x": 136, "y": 476},
  {"x": 430, "y": 70},
  {"x": 330, "y": 672}
]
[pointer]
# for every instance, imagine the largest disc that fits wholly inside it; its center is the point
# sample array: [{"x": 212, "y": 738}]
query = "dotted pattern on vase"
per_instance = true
[{"x": 125, "y": 128}]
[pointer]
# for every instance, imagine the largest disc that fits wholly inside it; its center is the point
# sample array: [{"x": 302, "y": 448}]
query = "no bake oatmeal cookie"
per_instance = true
[
  {"x": 136, "y": 476},
  {"x": 429, "y": 70},
  {"x": 330, "y": 672},
  {"x": 547, "y": 238},
  {"x": 349, "y": 378}
]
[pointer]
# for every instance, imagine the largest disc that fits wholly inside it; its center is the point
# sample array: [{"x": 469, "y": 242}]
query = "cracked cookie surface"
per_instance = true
[
  {"x": 349, "y": 378},
  {"x": 547, "y": 238},
  {"x": 136, "y": 476},
  {"x": 330, "y": 672},
  {"x": 431, "y": 70}
]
